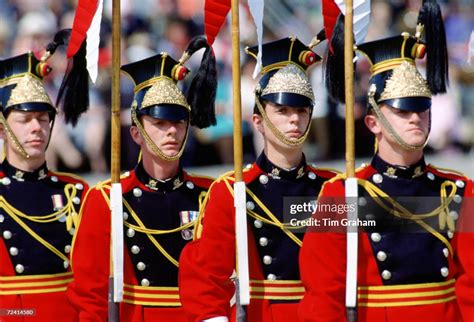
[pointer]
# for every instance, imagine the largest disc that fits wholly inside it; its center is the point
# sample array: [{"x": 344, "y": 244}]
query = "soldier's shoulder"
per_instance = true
[
  {"x": 327, "y": 173},
  {"x": 68, "y": 178},
  {"x": 447, "y": 173},
  {"x": 199, "y": 180},
  {"x": 125, "y": 180},
  {"x": 249, "y": 173}
]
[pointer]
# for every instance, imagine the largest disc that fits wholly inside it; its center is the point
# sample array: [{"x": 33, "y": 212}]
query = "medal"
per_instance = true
[{"x": 186, "y": 217}]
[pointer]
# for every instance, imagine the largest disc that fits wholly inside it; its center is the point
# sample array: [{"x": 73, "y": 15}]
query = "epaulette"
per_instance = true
[
  {"x": 449, "y": 171},
  {"x": 226, "y": 175},
  {"x": 341, "y": 176},
  {"x": 107, "y": 182},
  {"x": 102, "y": 184},
  {"x": 68, "y": 177},
  {"x": 200, "y": 176},
  {"x": 313, "y": 167}
]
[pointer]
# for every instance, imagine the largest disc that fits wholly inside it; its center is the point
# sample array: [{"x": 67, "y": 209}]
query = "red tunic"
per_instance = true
[
  {"x": 33, "y": 279},
  {"x": 208, "y": 262},
  {"x": 405, "y": 281},
  {"x": 91, "y": 250}
]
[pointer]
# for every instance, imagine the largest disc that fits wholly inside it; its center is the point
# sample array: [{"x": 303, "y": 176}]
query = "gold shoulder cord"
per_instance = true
[
  {"x": 150, "y": 232},
  {"x": 152, "y": 145},
  {"x": 273, "y": 219},
  {"x": 203, "y": 198},
  {"x": 386, "y": 202},
  {"x": 68, "y": 211},
  {"x": 389, "y": 128},
  {"x": 276, "y": 132}
]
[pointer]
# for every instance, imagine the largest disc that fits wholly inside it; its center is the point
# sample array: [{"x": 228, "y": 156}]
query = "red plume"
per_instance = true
[
  {"x": 82, "y": 21},
  {"x": 215, "y": 12},
  {"x": 330, "y": 14}
]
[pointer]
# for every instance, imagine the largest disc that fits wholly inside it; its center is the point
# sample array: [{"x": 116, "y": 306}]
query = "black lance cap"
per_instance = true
[
  {"x": 156, "y": 86},
  {"x": 283, "y": 76}
]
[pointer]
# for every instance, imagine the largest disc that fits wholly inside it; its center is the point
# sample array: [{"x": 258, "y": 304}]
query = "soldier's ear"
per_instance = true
[
  {"x": 372, "y": 123},
  {"x": 257, "y": 122},
  {"x": 2, "y": 133},
  {"x": 136, "y": 136}
]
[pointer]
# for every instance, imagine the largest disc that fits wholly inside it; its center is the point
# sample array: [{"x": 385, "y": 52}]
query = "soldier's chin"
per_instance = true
[
  {"x": 418, "y": 142},
  {"x": 170, "y": 152},
  {"x": 419, "y": 139},
  {"x": 35, "y": 152}
]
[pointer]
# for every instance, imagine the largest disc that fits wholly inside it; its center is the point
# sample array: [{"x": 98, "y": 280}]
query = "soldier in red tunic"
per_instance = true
[
  {"x": 38, "y": 207},
  {"x": 284, "y": 104},
  {"x": 160, "y": 200},
  {"x": 415, "y": 264}
]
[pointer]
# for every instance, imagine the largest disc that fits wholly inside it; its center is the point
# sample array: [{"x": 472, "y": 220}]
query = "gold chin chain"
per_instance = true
[
  {"x": 280, "y": 136},
  {"x": 13, "y": 137},
  {"x": 156, "y": 150},
  {"x": 391, "y": 131}
]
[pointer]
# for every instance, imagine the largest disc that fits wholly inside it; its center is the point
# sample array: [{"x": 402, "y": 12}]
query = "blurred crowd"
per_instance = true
[{"x": 153, "y": 26}]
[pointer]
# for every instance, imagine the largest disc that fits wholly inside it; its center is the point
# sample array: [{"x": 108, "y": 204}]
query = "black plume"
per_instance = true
[
  {"x": 321, "y": 35},
  {"x": 437, "y": 52},
  {"x": 61, "y": 38},
  {"x": 202, "y": 92},
  {"x": 73, "y": 94},
  {"x": 335, "y": 63}
]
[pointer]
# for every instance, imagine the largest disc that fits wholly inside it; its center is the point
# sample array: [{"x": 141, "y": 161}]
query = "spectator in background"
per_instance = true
[
  {"x": 5, "y": 33},
  {"x": 35, "y": 29}
]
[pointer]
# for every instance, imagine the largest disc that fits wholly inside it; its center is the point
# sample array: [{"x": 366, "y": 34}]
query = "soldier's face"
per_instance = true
[
  {"x": 167, "y": 135},
  {"x": 290, "y": 121},
  {"x": 412, "y": 127},
  {"x": 32, "y": 131}
]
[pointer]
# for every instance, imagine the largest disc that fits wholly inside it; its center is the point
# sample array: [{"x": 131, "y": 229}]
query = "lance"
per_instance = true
[
  {"x": 116, "y": 252},
  {"x": 351, "y": 181},
  {"x": 242, "y": 266}
]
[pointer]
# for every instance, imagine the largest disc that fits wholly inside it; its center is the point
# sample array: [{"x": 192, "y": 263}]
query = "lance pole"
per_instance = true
[
  {"x": 351, "y": 181},
  {"x": 242, "y": 281},
  {"x": 116, "y": 253}
]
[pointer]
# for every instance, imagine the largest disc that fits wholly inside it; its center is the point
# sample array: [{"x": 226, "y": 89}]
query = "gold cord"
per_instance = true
[
  {"x": 68, "y": 211},
  {"x": 401, "y": 212},
  {"x": 149, "y": 232},
  {"x": 273, "y": 219}
]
